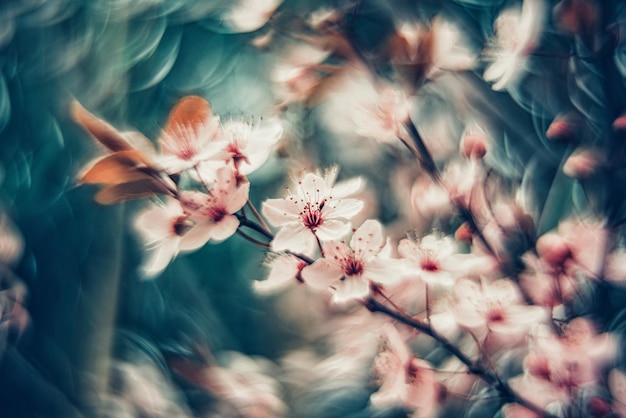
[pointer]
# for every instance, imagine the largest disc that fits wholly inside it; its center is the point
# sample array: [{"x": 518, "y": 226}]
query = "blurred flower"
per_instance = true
[
  {"x": 435, "y": 259},
  {"x": 142, "y": 390},
  {"x": 545, "y": 285},
  {"x": 557, "y": 366},
  {"x": 11, "y": 242},
  {"x": 295, "y": 75},
  {"x": 248, "y": 145},
  {"x": 582, "y": 164},
  {"x": 577, "y": 247},
  {"x": 250, "y": 15},
  {"x": 190, "y": 135},
  {"x": 495, "y": 307},
  {"x": 516, "y": 35},
  {"x": 284, "y": 269},
  {"x": 369, "y": 108},
  {"x": 213, "y": 214},
  {"x": 403, "y": 379},
  {"x": 474, "y": 141},
  {"x": 319, "y": 210},
  {"x": 351, "y": 270},
  {"x": 617, "y": 386},
  {"x": 247, "y": 385},
  {"x": 163, "y": 228}
]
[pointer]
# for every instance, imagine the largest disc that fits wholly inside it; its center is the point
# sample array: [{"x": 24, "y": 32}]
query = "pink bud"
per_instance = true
[
  {"x": 562, "y": 128},
  {"x": 619, "y": 124},
  {"x": 464, "y": 233},
  {"x": 553, "y": 249},
  {"x": 581, "y": 164},
  {"x": 473, "y": 145}
]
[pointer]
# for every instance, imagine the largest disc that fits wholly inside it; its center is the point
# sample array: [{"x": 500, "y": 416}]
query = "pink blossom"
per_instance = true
[
  {"x": 494, "y": 306},
  {"x": 319, "y": 209},
  {"x": 404, "y": 380},
  {"x": 545, "y": 285},
  {"x": 245, "y": 387},
  {"x": 164, "y": 229},
  {"x": 351, "y": 270},
  {"x": 184, "y": 145},
  {"x": 434, "y": 259},
  {"x": 285, "y": 269},
  {"x": 557, "y": 366},
  {"x": 617, "y": 386},
  {"x": 516, "y": 34},
  {"x": 250, "y": 15},
  {"x": 577, "y": 247},
  {"x": 214, "y": 213},
  {"x": 248, "y": 145}
]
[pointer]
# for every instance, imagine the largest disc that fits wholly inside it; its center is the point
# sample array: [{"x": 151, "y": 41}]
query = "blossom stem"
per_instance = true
[
  {"x": 257, "y": 215},
  {"x": 489, "y": 377},
  {"x": 243, "y": 221},
  {"x": 253, "y": 240},
  {"x": 195, "y": 167},
  {"x": 428, "y": 163},
  {"x": 302, "y": 257}
]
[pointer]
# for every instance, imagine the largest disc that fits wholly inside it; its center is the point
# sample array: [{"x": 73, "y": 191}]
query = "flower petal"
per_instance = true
[
  {"x": 353, "y": 287},
  {"x": 279, "y": 212},
  {"x": 224, "y": 228},
  {"x": 345, "y": 208},
  {"x": 296, "y": 238},
  {"x": 333, "y": 229},
  {"x": 322, "y": 274},
  {"x": 368, "y": 239},
  {"x": 238, "y": 198}
]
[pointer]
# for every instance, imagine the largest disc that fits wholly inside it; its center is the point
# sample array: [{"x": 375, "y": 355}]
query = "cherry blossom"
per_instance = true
[
  {"x": 516, "y": 34},
  {"x": 190, "y": 136},
  {"x": 164, "y": 229},
  {"x": 350, "y": 270},
  {"x": 284, "y": 269},
  {"x": 213, "y": 214},
  {"x": 250, "y": 15},
  {"x": 577, "y": 247},
  {"x": 557, "y": 366},
  {"x": 404, "y": 380},
  {"x": 368, "y": 108},
  {"x": 248, "y": 144},
  {"x": 617, "y": 386},
  {"x": 319, "y": 209},
  {"x": 434, "y": 258},
  {"x": 496, "y": 307}
]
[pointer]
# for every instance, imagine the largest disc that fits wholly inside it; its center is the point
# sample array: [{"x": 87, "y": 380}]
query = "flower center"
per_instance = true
[
  {"x": 429, "y": 264},
  {"x": 353, "y": 267},
  {"x": 495, "y": 315},
  {"x": 180, "y": 226},
  {"x": 312, "y": 216},
  {"x": 234, "y": 148}
]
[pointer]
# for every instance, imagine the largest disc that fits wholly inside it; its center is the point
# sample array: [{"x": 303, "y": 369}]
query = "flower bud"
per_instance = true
[{"x": 581, "y": 164}]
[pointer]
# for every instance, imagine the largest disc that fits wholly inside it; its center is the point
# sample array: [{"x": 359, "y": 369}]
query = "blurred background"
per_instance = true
[{"x": 89, "y": 324}]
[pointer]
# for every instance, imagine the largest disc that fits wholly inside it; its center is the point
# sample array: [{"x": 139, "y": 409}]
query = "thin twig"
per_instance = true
[
  {"x": 253, "y": 240},
  {"x": 257, "y": 215},
  {"x": 489, "y": 377}
]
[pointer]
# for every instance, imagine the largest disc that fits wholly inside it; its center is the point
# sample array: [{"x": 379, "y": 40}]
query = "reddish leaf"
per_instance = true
[
  {"x": 126, "y": 191},
  {"x": 190, "y": 111},
  {"x": 119, "y": 167},
  {"x": 106, "y": 134}
]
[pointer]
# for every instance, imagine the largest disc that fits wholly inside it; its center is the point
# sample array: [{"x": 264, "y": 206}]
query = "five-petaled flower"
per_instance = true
[
  {"x": 214, "y": 213},
  {"x": 351, "y": 270},
  {"x": 318, "y": 210}
]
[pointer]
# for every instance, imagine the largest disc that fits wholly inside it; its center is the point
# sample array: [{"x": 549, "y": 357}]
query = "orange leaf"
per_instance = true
[
  {"x": 119, "y": 167},
  {"x": 190, "y": 111},
  {"x": 126, "y": 191},
  {"x": 106, "y": 134}
]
